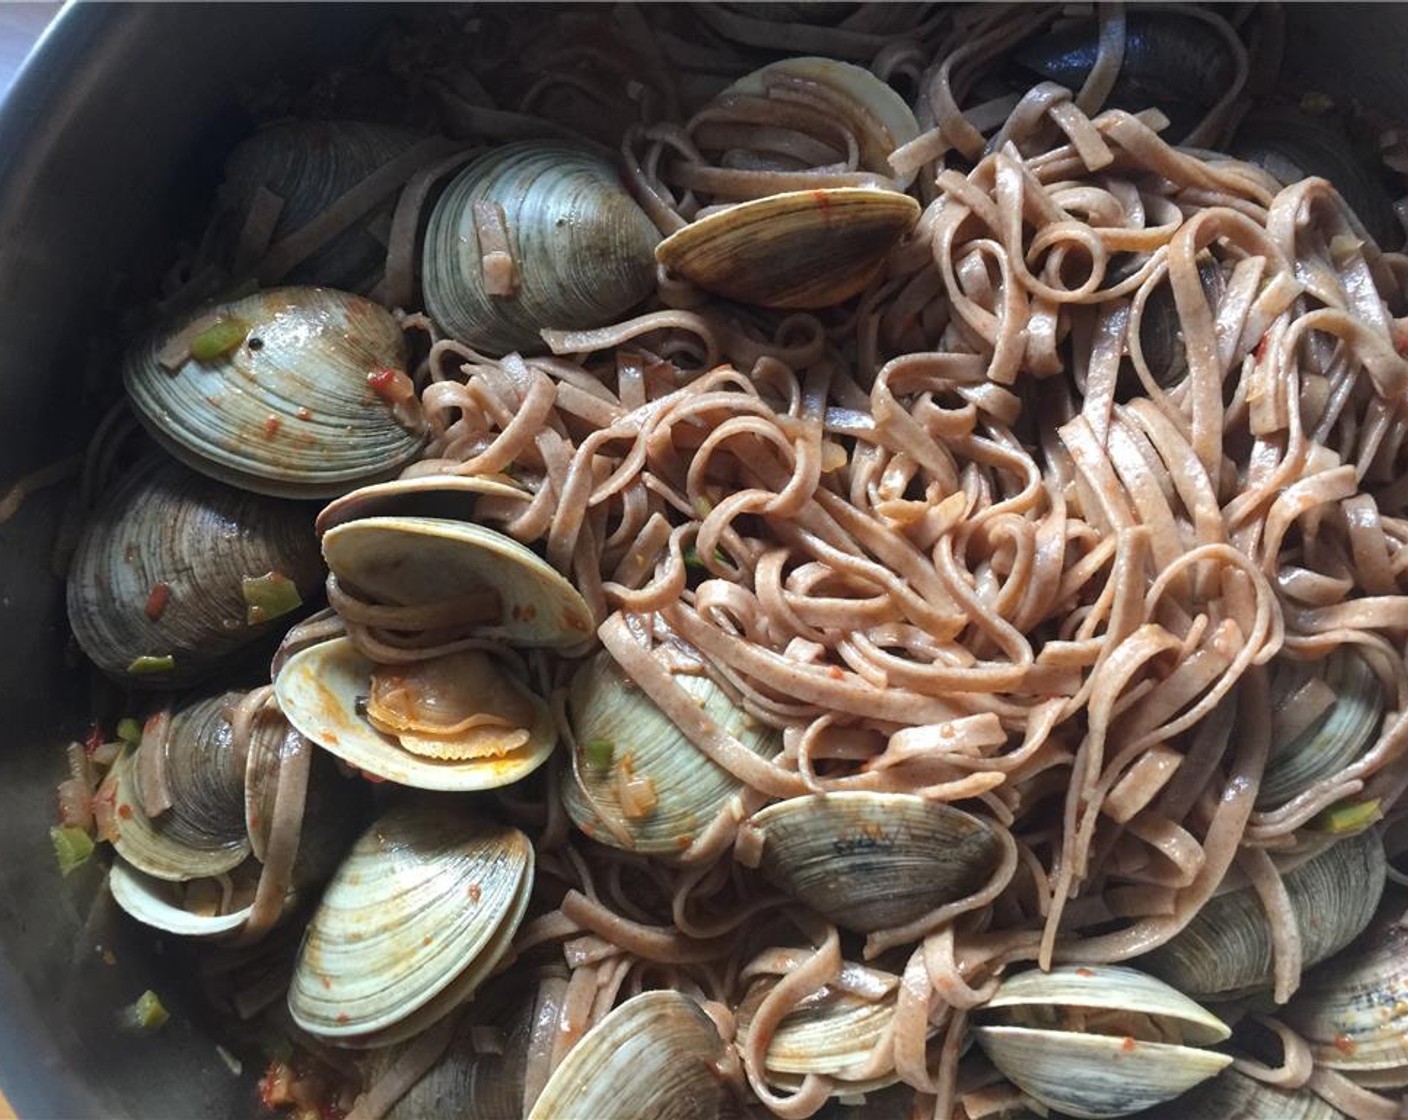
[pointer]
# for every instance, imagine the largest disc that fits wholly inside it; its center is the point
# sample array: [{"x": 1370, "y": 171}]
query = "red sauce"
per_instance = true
[
  {"x": 157, "y": 599},
  {"x": 474, "y": 893},
  {"x": 835, "y": 673},
  {"x": 95, "y": 739},
  {"x": 272, "y": 426},
  {"x": 383, "y": 383},
  {"x": 304, "y": 414},
  {"x": 1085, "y": 972},
  {"x": 822, "y": 200},
  {"x": 1260, "y": 352},
  {"x": 1127, "y": 1045},
  {"x": 1344, "y": 1044},
  {"x": 125, "y": 812}
]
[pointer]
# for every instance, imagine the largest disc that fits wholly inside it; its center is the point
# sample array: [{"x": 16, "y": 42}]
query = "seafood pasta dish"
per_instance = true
[{"x": 743, "y": 560}]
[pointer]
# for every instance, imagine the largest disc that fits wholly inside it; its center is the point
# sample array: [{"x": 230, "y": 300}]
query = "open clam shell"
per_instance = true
[
  {"x": 284, "y": 407},
  {"x": 655, "y": 1055},
  {"x": 449, "y": 497},
  {"x": 617, "y": 726},
  {"x": 799, "y": 249},
  {"x": 1226, "y": 951},
  {"x": 422, "y": 908},
  {"x": 418, "y": 561},
  {"x": 320, "y": 689},
  {"x": 1353, "y": 1010},
  {"x": 581, "y": 248},
  {"x": 159, "y": 573},
  {"x": 1232, "y": 1095},
  {"x": 1077, "y": 1039},
  {"x": 158, "y": 904},
  {"x": 869, "y": 861}
]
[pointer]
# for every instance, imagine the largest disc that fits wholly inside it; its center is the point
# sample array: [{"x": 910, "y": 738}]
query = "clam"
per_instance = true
[
  {"x": 1226, "y": 950},
  {"x": 455, "y": 722},
  {"x": 450, "y": 497},
  {"x": 509, "y": 593},
  {"x": 1353, "y": 1009},
  {"x": 799, "y": 249},
  {"x": 833, "y": 1032},
  {"x": 657, "y": 1055},
  {"x": 280, "y": 392},
  {"x": 532, "y": 235},
  {"x": 868, "y": 861},
  {"x": 1350, "y": 701},
  {"x": 200, "y": 909},
  {"x": 174, "y": 573},
  {"x": 635, "y": 764},
  {"x": 1173, "y": 61},
  {"x": 297, "y": 170},
  {"x": 195, "y": 826},
  {"x": 1098, "y": 1041},
  {"x": 415, "y": 919},
  {"x": 1292, "y": 146},
  {"x": 1232, "y": 1095}
]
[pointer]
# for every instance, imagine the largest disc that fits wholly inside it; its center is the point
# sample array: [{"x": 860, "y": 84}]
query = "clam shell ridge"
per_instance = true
[
  {"x": 582, "y": 247},
  {"x": 166, "y": 525},
  {"x": 420, "y": 898},
  {"x": 288, "y": 411},
  {"x": 869, "y": 861},
  {"x": 318, "y": 690},
  {"x": 662, "y": 1049}
]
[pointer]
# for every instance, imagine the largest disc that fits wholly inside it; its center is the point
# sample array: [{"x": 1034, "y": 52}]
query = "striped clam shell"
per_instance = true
[
  {"x": 166, "y": 526},
  {"x": 288, "y": 410},
  {"x": 420, "y": 911}
]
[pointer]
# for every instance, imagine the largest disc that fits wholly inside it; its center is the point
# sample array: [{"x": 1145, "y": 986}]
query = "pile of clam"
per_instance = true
[{"x": 448, "y": 641}]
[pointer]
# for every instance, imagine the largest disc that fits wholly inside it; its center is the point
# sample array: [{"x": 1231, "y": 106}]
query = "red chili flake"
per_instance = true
[
  {"x": 125, "y": 812},
  {"x": 342, "y": 1017},
  {"x": 1344, "y": 1044},
  {"x": 95, "y": 739},
  {"x": 1127, "y": 1045},
  {"x": 386, "y": 383},
  {"x": 835, "y": 673},
  {"x": 684, "y": 842},
  {"x": 823, "y": 201},
  {"x": 304, "y": 414},
  {"x": 474, "y": 893},
  {"x": 272, "y": 426},
  {"x": 157, "y": 598},
  {"x": 1085, "y": 972},
  {"x": 425, "y": 941}
]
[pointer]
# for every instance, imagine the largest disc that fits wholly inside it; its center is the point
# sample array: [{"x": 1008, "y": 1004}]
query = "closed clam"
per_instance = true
[
  {"x": 1353, "y": 1009},
  {"x": 168, "y": 573},
  {"x": 280, "y": 392},
  {"x": 800, "y": 249},
  {"x": 532, "y": 235},
  {"x": 1326, "y": 714},
  {"x": 1226, "y": 950},
  {"x": 635, "y": 765},
  {"x": 415, "y": 919},
  {"x": 449, "y": 497},
  {"x": 456, "y": 722},
  {"x": 1098, "y": 1041},
  {"x": 868, "y": 861},
  {"x": 657, "y": 1055},
  {"x": 286, "y": 175}
]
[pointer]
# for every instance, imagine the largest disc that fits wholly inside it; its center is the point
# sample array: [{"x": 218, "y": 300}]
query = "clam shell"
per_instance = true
[
  {"x": 654, "y": 1056},
  {"x": 800, "y": 249},
  {"x": 289, "y": 411},
  {"x": 1225, "y": 951},
  {"x": 414, "y": 561},
  {"x": 156, "y": 903},
  {"x": 825, "y": 1035},
  {"x": 885, "y": 121},
  {"x": 421, "y": 909},
  {"x": 582, "y": 247},
  {"x": 690, "y": 788},
  {"x": 1093, "y": 1076},
  {"x": 1232, "y": 1095},
  {"x": 1353, "y": 1010},
  {"x": 309, "y": 165},
  {"x": 318, "y": 690},
  {"x": 164, "y": 524},
  {"x": 869, "y": 861},
  {"x": 450, "y": 497}
]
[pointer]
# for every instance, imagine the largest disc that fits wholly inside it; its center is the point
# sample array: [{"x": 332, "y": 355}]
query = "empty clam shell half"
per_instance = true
[
  {"x": 157, "y": 903},
  {"x": 420, "y": 911},
  {"x": 869, "y": 861},
  {"x": 320, "y": 690},
  {"x": 654, "y": 1056},
  {"x": 449, "y": 496},
  {"x": 800, "y": 249},
  {"x": 278, "y": 399},
  {"x": 418, "y": 561},
  {"x": 1099, "y": 1041}
]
